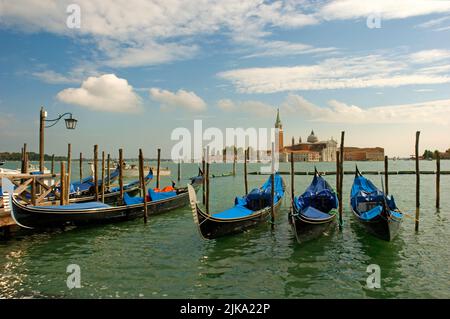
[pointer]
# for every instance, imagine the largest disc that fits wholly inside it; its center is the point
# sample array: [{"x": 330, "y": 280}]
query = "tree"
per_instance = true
[{"x": 428, "y": 154}]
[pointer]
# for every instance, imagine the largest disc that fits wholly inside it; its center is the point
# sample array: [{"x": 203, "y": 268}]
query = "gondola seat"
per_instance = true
[
  {"x": 314, "y": 213},
  {"x": 234, "y": 212},
  {"x": 160, "y": 195}
]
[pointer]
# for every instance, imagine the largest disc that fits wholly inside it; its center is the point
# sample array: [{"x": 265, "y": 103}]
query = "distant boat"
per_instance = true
[
  {"x": 132, "y": 170},
  {"x": 375, "y": 210},
  {"x": 2, "y": 163}
]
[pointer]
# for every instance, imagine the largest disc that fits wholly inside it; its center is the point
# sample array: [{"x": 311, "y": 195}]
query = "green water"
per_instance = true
[{"x": 167, "y": 258}]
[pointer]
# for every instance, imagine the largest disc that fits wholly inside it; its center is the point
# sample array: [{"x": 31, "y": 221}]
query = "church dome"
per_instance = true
[{"x": 312, "y": 138}]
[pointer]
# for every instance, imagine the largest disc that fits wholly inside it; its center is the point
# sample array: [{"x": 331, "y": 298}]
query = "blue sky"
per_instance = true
[{"x": 136, "y": 70}]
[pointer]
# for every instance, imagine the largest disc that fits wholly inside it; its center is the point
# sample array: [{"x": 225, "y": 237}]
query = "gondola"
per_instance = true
[
  {"x": 87, "y": 185},
  {"x": 377, "y": 212},
  {"x": 248, "y": 211},
  {"x": 112, "y": 195},
  {"x": 314, "y": 212},
  {"x": 43, "y": 217}
]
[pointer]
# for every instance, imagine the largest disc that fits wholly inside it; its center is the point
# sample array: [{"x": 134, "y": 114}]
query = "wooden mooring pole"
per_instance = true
[
  {"x": 158, "y": 168},
  {"x": 234, "y": 160},
  {"x": 245, "y": 172},
  {"x": 272, "y": 190},
  {"x": 438, "y": 179},
  {"x": 103, "y": 176},
  {"x": 108, "y": 172},
  {"x": 179, "y": 171},
  {"x": 62, "y": 183},
  {"x": 96, "y": 172},
  {"x": 33, "y": 191},
  {"x": 69, "y": 169},
  {"x": 386, "y": 175},
  {"x": 203, "y": 179},
  {"x": 341, "y": 178},
  {"x": 53, "y": 164},
  {"x": 142, "y": 180},
  {"x": 417, "y": 182},
  {"x": 24, "y": 159},
  {"x": 292, "y": 179},
  {"x": 207, "y": 180},
  {"x": 121, "y": 175},
  {"x": 81, "y": 166},
  {"x": 338, "y": 174}
]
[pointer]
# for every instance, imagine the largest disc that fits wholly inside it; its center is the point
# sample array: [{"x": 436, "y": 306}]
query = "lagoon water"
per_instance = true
[{"x": 167, "y": 258}]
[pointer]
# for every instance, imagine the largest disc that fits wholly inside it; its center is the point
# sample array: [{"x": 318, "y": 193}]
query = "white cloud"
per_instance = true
[
  {"x": 433, "y": 23},
  {"x": 226, "y": 105},
  {"x": 185, "y": 99},
  {"x": 256, "y": 108},
  {"x": 104, "y": 93},
  {"x": 424, "y": 90},
  {"x": 262, "y": 48},
  {"x": 53, "y": 77},
  {"x": 431, "y": 112},
  {"x": 429, "y": 56},
  {"x": 158, "y": 31},
  {"x": 388, "y": 9},
  {"x": 337, "y": 73}
]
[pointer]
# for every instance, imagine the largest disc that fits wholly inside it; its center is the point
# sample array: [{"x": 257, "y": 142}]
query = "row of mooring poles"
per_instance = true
[
  {"x": 66, "y": 175},
  {"x": 99, "y": 191}
]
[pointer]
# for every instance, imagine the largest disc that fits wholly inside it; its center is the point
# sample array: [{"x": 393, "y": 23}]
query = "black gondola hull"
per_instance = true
[
  {"x": 306, "y": 229},
  {"x": 211, "y": 228},
  {"x": 29, "y": 217},
  {"x": 381, "y": 227}
]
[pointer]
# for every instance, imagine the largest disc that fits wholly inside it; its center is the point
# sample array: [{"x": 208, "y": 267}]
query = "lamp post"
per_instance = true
[{"x": 71, "y": 123}]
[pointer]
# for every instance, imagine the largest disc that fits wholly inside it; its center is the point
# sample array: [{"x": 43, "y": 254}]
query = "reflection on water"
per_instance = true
[{"x": 167, "y": 258}]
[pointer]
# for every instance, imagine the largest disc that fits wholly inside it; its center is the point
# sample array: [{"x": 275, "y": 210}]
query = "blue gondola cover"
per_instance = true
[
  {"x": 320, "y": 196},
  {"x": 257, "y": 199}
]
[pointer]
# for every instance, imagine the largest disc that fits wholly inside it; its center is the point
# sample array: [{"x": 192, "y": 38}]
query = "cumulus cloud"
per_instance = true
[
  {"x": 226, "y": 105},
  {"x": 338, "y": 73},
  {"x": 157, "y": 31},
  {"x": 388, "y": 9},
  {"x": 187, "y": 100},
  {"x": 431, "y": 112},
  {"x": 256, "y": 108},
  {"x": 103, "y": 93},
  {"x": 429, "y": 56}
]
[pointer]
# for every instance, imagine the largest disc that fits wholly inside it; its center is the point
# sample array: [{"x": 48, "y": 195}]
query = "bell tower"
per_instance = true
[{"x": 279, "y": 126}]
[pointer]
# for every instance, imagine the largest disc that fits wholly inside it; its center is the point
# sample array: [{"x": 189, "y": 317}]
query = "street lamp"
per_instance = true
[{"x": 71, "y": 123}]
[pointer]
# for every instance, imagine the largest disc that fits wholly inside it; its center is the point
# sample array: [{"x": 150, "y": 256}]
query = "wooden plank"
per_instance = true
[{"x": 22, "y": 186}]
